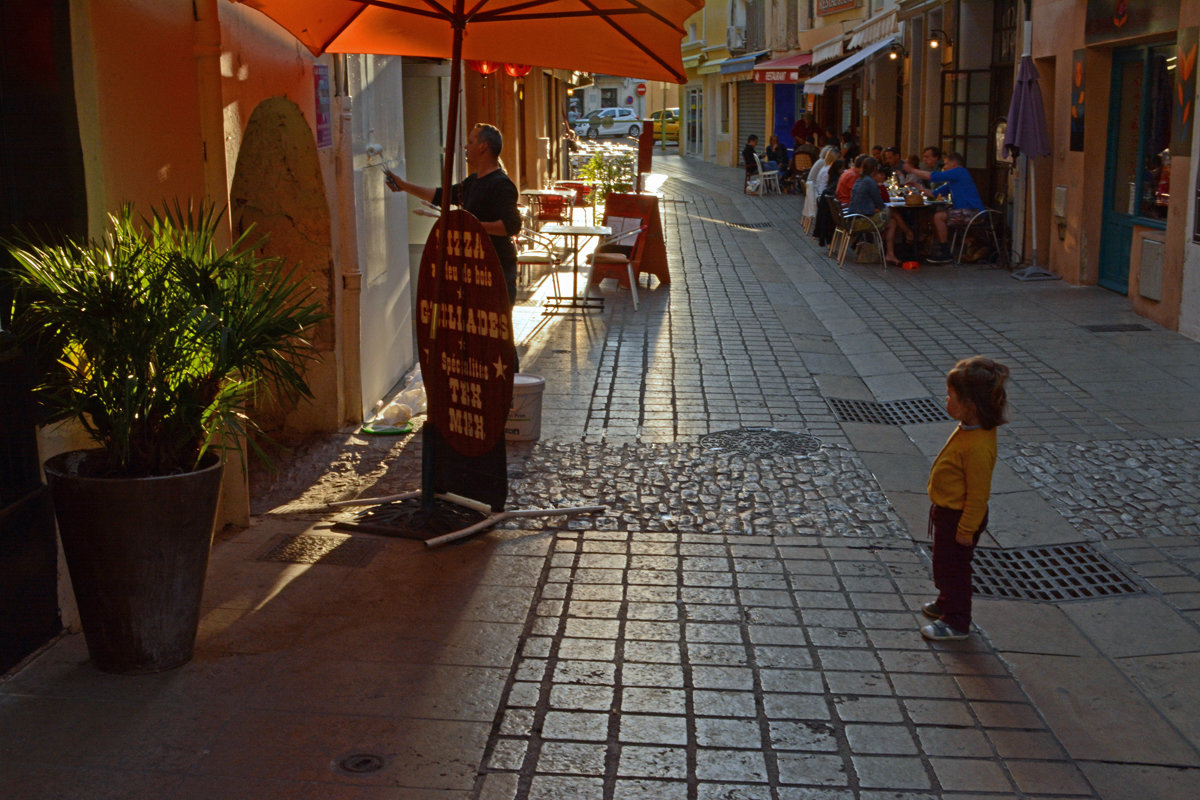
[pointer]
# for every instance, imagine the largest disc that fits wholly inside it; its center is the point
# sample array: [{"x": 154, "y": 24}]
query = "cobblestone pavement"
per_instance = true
[{"x": 741, "y": 622}]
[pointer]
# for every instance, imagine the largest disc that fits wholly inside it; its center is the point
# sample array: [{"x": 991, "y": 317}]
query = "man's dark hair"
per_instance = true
[
  {"x": 869, "y": 166},
  {"x": 892, "y": 150},
  {"x": 859, "y": 159},
  {"x": 937, "y": 151},
  {"x": 752, "y": 138},
  {"x": 491, "y": 136},
  {"x": 956, "y": 158}
]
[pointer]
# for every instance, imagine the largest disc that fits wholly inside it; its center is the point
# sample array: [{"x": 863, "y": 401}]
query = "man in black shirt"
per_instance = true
[{"x": 487, "y": 193}]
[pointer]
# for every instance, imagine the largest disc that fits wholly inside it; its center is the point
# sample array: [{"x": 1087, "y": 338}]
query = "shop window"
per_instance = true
[
  {"x": 1144, "y": 81},
  {"x": 967, "y": 115}
]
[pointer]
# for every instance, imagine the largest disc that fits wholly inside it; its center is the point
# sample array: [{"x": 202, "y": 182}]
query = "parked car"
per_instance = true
[
  {"x": 609, "y": 122},
  {"x": 672, "y": 119}
]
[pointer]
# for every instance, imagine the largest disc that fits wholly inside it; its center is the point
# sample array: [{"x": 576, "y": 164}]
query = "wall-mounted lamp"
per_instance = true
[
  {"x": 938, "y": 38},
  {"x": 896, "y": 50}
]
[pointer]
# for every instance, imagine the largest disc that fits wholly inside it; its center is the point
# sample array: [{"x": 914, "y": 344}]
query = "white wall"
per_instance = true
[{"x": 376, "y": 84}]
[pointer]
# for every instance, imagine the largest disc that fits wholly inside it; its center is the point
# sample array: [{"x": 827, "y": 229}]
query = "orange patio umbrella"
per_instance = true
[{"x": 631, "y": 38}]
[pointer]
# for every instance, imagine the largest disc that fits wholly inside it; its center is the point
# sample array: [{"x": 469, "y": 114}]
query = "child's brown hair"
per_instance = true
[{"x": 980, "y": 382}]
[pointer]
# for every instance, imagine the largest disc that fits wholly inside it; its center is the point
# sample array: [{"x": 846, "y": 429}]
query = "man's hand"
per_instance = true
[
  {"x": 964, "y": 539},
  {"x": 389, "y": 180}
]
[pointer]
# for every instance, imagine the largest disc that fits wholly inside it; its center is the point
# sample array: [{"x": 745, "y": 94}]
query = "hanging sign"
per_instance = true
[{"x": 464, "y": 337}]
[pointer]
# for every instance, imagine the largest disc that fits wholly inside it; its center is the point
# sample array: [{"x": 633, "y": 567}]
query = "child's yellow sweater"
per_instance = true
[{"x": 961, "y": 476}]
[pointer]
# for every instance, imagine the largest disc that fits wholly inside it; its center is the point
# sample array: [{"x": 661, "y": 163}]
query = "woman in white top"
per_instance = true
[{"x": 828, "y": 156}]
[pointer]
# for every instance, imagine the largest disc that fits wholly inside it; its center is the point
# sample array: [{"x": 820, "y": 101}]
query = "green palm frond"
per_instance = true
[{"x": 160, "y": 337}]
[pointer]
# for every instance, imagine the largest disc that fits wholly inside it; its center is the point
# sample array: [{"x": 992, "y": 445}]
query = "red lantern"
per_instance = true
[
  {"x": 517, "y": 70},
  {"x": 483, "y": 67}
]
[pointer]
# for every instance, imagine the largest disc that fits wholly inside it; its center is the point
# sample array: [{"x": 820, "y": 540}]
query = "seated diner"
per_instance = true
[
  {"x": 866, "y": 198},
  {"x": 965, "y": 202}
]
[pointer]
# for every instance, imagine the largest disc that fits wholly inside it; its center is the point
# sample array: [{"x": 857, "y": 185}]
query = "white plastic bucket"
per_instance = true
[{"x": 525, "y": 415}]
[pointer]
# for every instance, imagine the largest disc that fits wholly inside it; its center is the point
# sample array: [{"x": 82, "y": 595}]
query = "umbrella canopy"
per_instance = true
[
  {"x": 631, "y": 38},
  {"x": 1026, "y": 115}
]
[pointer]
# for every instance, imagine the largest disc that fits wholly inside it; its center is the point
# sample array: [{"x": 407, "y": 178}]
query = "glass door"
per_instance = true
[
  {"x": 1137, "y": 171},
  {"x": 692, "y": 116}
]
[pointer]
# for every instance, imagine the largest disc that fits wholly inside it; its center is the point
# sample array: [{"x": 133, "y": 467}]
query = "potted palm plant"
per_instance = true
[{"x": 157, "y": 341}]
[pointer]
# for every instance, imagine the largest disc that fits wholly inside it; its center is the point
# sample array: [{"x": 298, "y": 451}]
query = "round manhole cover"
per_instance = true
[
  {"x": 361, "y": 763},
  {"x": 761, "y": 442}
]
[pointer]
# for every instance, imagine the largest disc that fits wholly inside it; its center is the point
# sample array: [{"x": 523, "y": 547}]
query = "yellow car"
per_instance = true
[{"x": 672, "y": 118}]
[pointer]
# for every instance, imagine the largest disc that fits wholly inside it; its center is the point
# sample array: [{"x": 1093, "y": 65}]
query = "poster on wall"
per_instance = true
[
  {"x": 1077, "y": 100},
  {"x": 1183, "y": 103},
  {"x": 324, "y": 126}
]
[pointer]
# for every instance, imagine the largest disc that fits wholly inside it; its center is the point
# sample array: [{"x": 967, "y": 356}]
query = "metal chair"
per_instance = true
[
  {"x": 762, "y": 180},
  {"x": 958, "y": 240},
  {"x": 535, "y": 251},
  {"x": 585, "y": 194},
  {"x": 550, "y": 208},
  {"x": 857, "y": 226},
  {"x": 616, "y": 263}
]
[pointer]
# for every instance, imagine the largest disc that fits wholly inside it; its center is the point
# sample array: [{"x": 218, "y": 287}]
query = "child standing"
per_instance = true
[{"x": 960, "y": 483}]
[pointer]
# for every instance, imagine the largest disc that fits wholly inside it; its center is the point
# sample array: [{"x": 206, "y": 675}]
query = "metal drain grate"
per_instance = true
[
  {"x": 1062, "y": 572},
  {"x": 750, "y": 226},
  {"x": 1116, "y": 328},
  {"x": 761, "y": 442},
  {"x": 893, "y": 412},
  {"x": 314, "y": 548}
]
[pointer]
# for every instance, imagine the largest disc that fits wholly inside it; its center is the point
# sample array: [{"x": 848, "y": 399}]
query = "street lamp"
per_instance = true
[{"x": 939, "y": 38}]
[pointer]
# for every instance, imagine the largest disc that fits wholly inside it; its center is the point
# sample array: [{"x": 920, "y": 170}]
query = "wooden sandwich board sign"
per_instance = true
[{"x": 465, "y": 345}]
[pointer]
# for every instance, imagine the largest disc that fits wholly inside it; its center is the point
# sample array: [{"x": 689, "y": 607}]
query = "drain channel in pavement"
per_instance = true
[
  {"x": 1131, "y": 327},
  {"x": 761, "y": 442},
  {"x": 1050, "y": 574},
  {"x": 313, "y": 548},
  {"x": 892, "y": 412}
]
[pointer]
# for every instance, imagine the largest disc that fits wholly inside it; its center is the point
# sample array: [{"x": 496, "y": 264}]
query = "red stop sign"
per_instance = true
[{"x": 641, "y": 89}]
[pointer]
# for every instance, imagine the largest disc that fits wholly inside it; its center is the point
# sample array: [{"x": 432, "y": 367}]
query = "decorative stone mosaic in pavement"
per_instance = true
[
  {"x": 672, "y": 665},
  {"x": 690, "y": 488},
  {"x": 1116, "y": 488}
]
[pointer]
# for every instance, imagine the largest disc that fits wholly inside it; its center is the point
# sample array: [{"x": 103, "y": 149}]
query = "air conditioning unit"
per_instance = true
[{"x": 736, "y": 38}]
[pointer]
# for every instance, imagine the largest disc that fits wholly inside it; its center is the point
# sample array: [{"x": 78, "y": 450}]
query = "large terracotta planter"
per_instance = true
[{"x": 137, "y": 550}]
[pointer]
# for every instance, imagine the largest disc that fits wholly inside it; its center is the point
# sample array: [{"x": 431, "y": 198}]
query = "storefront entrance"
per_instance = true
[
  {"x": 693, "y": 114},
  {"x": 1137, "y": 172}
]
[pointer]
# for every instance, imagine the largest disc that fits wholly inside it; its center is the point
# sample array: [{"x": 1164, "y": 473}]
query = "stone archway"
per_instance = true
[{"x": 278, "y": 188}]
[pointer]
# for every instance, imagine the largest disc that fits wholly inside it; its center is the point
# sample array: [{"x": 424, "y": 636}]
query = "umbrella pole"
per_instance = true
[
  {"x": 1033, "y": 272},
  {"x": 427, "y": 458}
]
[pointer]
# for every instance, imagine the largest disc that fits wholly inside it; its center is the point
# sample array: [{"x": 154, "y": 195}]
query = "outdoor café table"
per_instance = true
[
  {"x": 575, "y": 233},
  {"x": 917, "y": 216},
  {"x": 535, "y": 201}
]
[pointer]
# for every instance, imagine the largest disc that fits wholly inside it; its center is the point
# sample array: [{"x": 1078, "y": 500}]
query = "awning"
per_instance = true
[
  {"x": 782, "y": 70},
  {"x": 876, "y": 28},
  {"x": 829, "y": 51},
  {"x": 741, "y": 63},
  {"x": 711, "y": 66},
  {"x": 816, "y": 84}
]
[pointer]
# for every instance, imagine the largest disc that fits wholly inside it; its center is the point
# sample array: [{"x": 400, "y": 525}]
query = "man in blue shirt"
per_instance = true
[{"x": 965, "y": 202}]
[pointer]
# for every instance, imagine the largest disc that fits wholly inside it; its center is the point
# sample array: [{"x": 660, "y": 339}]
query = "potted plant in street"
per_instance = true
[
  {"x": 608, "y": 173},
  {"x": 157, "y": 341}
]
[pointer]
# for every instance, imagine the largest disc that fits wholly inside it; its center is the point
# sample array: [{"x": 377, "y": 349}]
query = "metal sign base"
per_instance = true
[
  {"x": 1035, "y": 273},
  {"x": 493, "y": 517}
]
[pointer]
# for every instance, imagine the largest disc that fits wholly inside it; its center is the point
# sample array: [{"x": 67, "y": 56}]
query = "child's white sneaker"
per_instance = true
[{"x": 941, "y": 632}]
